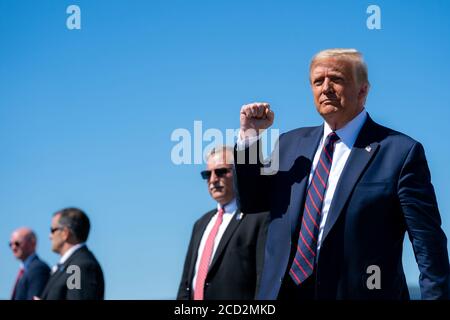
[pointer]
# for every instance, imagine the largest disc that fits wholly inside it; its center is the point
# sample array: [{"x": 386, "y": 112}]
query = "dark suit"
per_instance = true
[
  {"x": 236, "y": 266},
  {"x": 92, "y": 283},
  {"x": 33, "y": 280},
  {"x": 384, "y": 191}
]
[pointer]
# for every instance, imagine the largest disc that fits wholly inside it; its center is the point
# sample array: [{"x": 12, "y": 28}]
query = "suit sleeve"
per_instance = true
[
  {"x": 37, "y": 279},
  {"x": 260, "y": 251},
  {"x": 184, "y": 290},
  {"x": 252, "y": 177},
  {"x": 419, "y": 205}
]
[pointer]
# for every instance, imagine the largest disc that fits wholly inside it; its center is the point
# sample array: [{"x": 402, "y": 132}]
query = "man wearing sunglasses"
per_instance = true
[
  {"x": 68, "y": 233},
  {"x": 225, "y": 254},
  {"x": 33, "y": 273}
]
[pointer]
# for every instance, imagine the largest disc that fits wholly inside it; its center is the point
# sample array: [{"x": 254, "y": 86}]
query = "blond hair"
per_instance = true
[{"x": 352, "y": 55}]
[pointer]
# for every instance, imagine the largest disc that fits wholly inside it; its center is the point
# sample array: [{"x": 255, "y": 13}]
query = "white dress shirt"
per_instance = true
[
  {"x": 347, "y": 137},
  {"x": 67, "y": 255},
  {"x": 229, "y": 211}
]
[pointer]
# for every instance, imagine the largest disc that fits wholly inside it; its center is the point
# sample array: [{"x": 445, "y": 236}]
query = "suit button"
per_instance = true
[
  {"x": 207, "y": 284},
  {"x": 188, "y": 289}
]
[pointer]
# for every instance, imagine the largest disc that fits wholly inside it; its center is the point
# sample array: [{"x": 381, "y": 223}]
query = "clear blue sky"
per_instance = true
[{"x": 86, "y": 115}]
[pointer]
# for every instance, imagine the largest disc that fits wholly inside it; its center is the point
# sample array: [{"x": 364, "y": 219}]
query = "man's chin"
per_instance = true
[
  {"x": 218, "y": 196},
  {"x": 328, "y": 109}
]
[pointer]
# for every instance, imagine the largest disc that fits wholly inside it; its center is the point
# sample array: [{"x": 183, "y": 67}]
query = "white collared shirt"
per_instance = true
[
  {"x": 67, "y": 255},
  {"x": 347, "y": 137},
  {"x": 70, "y": 252},
  {"x": 229, "y": 211}
]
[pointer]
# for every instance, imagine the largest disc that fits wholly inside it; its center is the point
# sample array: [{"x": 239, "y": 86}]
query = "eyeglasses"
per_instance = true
[
  {"x": 53, "y": 230},
  {"x": 14, "y": 243},
  {"x": 220, "y": 172}
]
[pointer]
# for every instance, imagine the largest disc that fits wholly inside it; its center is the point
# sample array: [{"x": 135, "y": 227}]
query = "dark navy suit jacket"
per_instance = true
[
  {"x": 384, "y": 191},
  {"x": 33, "y": 280}
]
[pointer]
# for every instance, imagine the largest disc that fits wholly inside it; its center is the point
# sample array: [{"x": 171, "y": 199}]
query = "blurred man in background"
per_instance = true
[
  {"x": 78, "y": 275},
  {"x": 33, "y": 273}
]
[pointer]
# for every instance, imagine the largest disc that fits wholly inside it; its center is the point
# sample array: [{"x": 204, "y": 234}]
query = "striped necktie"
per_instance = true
[{"x": 303, "y": 265}]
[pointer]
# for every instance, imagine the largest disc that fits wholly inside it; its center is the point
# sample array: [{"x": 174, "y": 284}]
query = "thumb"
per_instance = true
[{"x": 270, "y": 115}]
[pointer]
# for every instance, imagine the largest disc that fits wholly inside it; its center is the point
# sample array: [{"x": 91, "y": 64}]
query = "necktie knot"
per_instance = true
[{"x": 332, "y": 138}]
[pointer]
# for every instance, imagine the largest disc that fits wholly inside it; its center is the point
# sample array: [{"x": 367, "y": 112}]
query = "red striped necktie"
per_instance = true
[
  {"x": 303, "y": 265},
  {"x": 206, "y": 258}
]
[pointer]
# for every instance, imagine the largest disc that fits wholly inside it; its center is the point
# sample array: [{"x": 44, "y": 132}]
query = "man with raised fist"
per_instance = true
[{"x": 342, "y": 198}]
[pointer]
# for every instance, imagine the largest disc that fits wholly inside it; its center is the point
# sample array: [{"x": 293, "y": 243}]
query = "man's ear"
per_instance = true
[
  {"x": 65, "y": 233},
  {"x": 364, "y": 89},
  {"x": 363, "y": 92}
]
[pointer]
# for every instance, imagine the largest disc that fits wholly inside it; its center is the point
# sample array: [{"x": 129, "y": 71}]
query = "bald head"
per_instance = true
[{"x": 23, "y": 243}]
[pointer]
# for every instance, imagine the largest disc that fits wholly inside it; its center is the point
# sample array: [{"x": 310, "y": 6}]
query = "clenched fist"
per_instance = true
[{"x": 255, "y": 117}]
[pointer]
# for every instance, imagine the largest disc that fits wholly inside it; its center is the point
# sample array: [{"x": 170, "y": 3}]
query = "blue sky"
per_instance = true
[{"x": 86, "y": 115}]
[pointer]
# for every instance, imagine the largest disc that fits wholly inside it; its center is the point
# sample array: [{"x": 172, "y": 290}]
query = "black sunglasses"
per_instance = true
[
  {"x": 15, "y": 243},
  {"x": 52, "y": 230},
  {"x": 220, "y": 172}
]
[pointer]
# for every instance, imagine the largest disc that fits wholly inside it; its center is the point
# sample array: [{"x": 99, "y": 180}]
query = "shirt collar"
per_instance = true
[
  {"x": 69, "y": 252},
  {"x": 230, "y": 207},
  {"x": 350, "y": 131}
]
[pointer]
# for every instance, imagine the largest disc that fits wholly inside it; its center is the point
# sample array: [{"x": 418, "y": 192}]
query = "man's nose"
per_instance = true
[
  {"x": 326, "y": 86},
  {"x": 214, "y": 177}
]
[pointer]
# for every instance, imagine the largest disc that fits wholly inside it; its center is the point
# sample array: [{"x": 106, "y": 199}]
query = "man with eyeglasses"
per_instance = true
[
  {"x": 33, "y": 273},
  {"x": 78, "y": 275},
  {"x": 225, "y": 254}
]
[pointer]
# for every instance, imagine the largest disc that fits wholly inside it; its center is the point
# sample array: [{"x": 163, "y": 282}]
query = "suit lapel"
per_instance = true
[
  {"x": 51, "y": 281},
  {"x": 226, "y": 237},
  {"x": 362, "y": 152},
  {"x": 305, "y": 147}
]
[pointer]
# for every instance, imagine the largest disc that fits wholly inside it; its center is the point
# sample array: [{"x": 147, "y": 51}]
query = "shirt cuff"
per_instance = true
[{"x": 241, "y": 144}]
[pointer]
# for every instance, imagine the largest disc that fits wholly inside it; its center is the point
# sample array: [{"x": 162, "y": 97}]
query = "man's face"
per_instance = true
[
  {"x": 21, "y": 245},
  {"x": 57, "y": 234},
  {"x": 337, "y": 95},
  {"x": 220, "y": 188}
]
